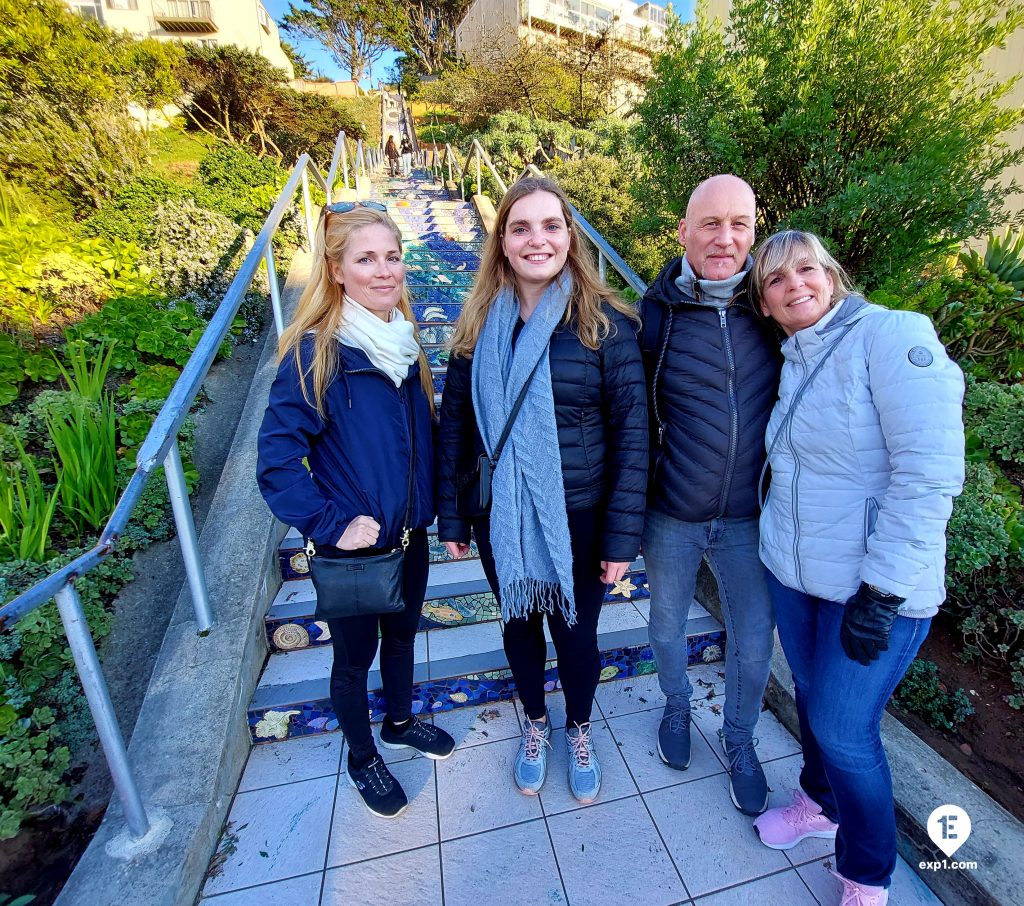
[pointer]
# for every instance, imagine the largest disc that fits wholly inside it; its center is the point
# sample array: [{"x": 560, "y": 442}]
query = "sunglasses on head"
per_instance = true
[{"x": 343, "y": 207}]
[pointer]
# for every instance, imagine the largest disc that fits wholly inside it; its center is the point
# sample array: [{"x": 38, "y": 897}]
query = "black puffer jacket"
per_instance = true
[
  {"x": 712, "y": 379},
  {"x": 601, "y": 414}
]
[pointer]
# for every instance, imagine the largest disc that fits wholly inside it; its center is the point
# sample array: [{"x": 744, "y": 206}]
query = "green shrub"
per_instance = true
[
  {"x": 35, "y": 675},
  {"x": 922, "y": 693},
  {"x": 236, "y": 183},
  {"x": 128, "y": 214},
  {"x": 994, "y": 419},
  {"x": 26, "y": 508},
  {"x": 18, "y": 363},
  {"x": 194, "y": 255}
]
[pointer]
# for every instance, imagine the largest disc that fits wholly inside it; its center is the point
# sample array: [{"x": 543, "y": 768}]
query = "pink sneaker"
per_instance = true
[
  {"x": 783, "y": 828},
  {"x": 855, "y": 894}
]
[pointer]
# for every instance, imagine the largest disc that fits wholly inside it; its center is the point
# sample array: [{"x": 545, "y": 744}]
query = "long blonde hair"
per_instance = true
[
  {"x": 319, "y": 309},
  {"x": 584, "y": 311}
]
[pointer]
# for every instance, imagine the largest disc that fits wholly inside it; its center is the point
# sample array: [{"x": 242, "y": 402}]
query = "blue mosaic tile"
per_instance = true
[
  {"x": 437, "y": 334},
  {"x": 437, "y": 356},
  {"x": 441, "y": 277},
  {"x": 433, "y": 696},
  {"x": 632, "y": 587},
  {"x": 294, "y": 564},
  {"x": 443, "y": 613},
  {"x": 443, "y": 313},
  {"x": 438, "y": 295}
]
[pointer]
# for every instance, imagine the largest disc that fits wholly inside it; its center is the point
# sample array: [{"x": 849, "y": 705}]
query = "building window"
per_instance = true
[
  {"x": 122, "y": 4},
  {"x": 264, "y": 18},
  {"x": 89, "y": 10}
]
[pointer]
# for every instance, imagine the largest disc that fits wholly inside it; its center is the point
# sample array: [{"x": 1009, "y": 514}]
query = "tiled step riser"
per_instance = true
[
  {"x": 296, "y": 632},
  {"x": 434, "y": 696}
]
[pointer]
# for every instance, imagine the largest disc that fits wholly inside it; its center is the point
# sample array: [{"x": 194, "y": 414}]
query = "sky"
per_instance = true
[{"x": 322, "y": 61}]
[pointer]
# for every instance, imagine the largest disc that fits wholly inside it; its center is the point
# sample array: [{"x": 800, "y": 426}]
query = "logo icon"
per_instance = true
[{"x": 949, "y": 826}]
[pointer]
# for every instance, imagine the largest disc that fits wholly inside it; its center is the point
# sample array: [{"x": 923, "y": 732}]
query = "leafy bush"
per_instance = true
[
  {"x": 194, "y": 256},
  {"x": 26, "y": 508},
  {"x": 887, "y": 137},
  {"x": 128, "y": 214},
  {"x": 984, "y": 529},
  {"x": 18, "y": 363},
  {"x": 35, "y": 674},
  {"x": 994, "y": 419},
  {"x": 239, "y": 185},
  {"x": 922, "y": 693}
]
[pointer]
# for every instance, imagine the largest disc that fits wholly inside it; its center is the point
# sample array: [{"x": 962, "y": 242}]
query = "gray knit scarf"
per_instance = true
[{"x": 529, "y": 525}]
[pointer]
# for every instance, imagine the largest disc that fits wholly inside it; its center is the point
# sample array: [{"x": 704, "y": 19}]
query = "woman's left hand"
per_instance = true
[{"x": 612, "y": 572}]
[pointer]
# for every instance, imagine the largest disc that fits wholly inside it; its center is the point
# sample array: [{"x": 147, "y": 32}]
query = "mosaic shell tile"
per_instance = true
[{"x": 307, "y": 718}]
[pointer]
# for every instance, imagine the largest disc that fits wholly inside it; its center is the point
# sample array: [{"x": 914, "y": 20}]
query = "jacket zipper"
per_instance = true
[
  {"x": 796, "y": 481},
  {"x": 730, "y": 464}
]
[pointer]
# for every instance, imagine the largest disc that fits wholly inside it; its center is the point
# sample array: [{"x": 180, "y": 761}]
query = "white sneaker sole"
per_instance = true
[
  {"x": 352, "y": 783},
  {"x": 820, "y": 835},
  {"x": 401, "y": 745}
]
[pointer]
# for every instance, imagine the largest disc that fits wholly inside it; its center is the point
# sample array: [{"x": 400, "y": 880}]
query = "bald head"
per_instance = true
[{"x": 718, "y": 229}]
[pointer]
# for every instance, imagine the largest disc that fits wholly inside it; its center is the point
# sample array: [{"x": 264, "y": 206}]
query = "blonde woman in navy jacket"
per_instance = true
[
  {"x": 866, "y": 448},
  {"x": 352, "y": 390}
]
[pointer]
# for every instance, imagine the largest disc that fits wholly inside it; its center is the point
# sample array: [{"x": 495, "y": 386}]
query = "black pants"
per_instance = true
[
  {"x": 579, "y": 661},
  {"x": 355, "y": 644}
]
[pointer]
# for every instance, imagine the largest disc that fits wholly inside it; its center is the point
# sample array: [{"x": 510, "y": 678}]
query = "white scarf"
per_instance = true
[{"x": 390, "y": 345}]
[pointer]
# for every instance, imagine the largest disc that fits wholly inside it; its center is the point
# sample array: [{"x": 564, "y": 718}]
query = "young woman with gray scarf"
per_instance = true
[{"x": 568, "y": 491}]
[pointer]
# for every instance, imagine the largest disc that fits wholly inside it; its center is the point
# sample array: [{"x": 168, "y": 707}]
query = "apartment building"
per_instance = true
[
  {"x": 243, "y": 23},
  {"x": 489, "y": 22}
]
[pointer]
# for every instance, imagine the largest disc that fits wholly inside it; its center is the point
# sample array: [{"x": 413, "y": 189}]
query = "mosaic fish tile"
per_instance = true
[
  {"x": 442, "y": 276},
  {"x": 437, "y": 295},
  {"x": 437, "y": 356},
  {"x": 445, "y": 313},
  {"x": 433, "y": 696}
]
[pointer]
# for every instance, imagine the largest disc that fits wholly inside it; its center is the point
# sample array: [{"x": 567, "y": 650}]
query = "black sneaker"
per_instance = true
[
  {"x": 381, "y": 793},
  {"x": 419, "y": 735},
  {"x": 674, "y": 737},
  {"x": 748, "y": 786}
]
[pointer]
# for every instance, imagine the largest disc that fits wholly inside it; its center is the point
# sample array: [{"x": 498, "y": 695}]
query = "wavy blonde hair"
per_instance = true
[
  {"x": 584, "y": 312},
  {"x": 319, "y": 308}
]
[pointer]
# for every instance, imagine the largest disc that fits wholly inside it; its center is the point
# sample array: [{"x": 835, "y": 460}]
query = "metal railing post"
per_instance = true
[
  {"x": 479, "y": 184},
  {"x": 308, "y": 211},
  {"x": 450, "y": 177},
  {"x": 182, "y": 507},
  {"x": 275, "y": 291},
  {"x": 69, "y": 604},
  {"x": 344, "y": 160},
  {"x": 360, "y": 164},
  {"x": 602, "y": 265}
]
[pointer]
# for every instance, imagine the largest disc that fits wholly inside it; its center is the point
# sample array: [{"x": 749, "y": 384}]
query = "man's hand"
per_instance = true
[
  {"x": 867, "y": 622},
  {"x": 612, "y": 572},
  {"x": 456, "y": 549},
  {"x": 363, "y": 531}
]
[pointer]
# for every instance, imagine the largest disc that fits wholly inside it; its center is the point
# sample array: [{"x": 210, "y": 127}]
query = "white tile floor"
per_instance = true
[{"x": 298, "y": 835}]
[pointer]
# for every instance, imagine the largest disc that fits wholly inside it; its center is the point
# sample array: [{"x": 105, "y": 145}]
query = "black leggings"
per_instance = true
[
  {"x": 355, "y": 644},
  {"x": 579, "y": 661}
]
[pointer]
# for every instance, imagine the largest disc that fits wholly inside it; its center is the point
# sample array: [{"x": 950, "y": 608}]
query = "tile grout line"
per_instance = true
[
  {"x": 647, "y": 809},
  {"x": 230, "y": 893},
  {"x": 330, "y": 826},
  {"x": 440, "y": 849}
]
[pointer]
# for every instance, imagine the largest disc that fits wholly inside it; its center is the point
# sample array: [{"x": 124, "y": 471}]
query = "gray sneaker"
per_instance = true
[
  {"x": 748, "y": 786},
  {"x": 674, "y": 736},
  {"x": 530, "y": 768},
  {"x": 584, "y": 768}
]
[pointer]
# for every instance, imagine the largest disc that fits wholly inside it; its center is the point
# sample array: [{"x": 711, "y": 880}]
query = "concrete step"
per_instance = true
[{"x": 454, "y": 668}]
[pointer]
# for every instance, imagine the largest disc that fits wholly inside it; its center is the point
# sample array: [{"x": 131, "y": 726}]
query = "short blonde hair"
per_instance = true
[{"x": 786, "y": 249}]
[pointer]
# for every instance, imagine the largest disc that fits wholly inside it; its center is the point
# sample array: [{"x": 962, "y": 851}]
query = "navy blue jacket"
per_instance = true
[
  {"x": 358, "y": 455},
  {"x": 712, "y": 379},
  {"x": 601, "y": 416}
]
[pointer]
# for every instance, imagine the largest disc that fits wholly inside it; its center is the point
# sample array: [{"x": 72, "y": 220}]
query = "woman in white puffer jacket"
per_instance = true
[{"x": 866, "y": 449}]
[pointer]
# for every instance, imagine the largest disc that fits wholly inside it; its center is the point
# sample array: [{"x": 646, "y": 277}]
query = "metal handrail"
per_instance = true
[
  {"x": 605, "y": 253},
  {"x": 161, "y": 447}
]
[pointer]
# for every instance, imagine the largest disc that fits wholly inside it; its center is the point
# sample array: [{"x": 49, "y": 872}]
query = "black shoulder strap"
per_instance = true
[{"x": 515, "y": 409}]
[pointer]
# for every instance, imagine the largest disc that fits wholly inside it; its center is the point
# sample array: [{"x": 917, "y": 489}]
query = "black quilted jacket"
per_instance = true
[
  {"x": 601, "y": 414},
  {"x": 714, "y": 374}
]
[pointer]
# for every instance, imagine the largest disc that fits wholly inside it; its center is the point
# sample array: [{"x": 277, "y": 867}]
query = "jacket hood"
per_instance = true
[{"x": 665, "y": 289}]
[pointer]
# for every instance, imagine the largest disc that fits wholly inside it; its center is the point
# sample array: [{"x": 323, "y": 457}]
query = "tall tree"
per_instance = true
[
  {"x": 357, "y": 33},
  {"x": 872, "y": 122},
  {"x": 431, "y": 27}
]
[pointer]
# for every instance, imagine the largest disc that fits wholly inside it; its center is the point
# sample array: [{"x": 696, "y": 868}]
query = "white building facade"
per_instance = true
[
  {"x": 505, "y": 21},
  {"x": 215, "y": 23}
]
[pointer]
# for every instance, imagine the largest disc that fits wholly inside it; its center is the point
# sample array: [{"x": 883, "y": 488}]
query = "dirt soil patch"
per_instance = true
[
  {"x": 40, "y": 859},
  {"x": 989, "y": 746}
]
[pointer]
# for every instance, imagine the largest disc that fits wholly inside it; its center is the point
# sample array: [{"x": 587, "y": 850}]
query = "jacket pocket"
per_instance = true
[{"x": 870, "y": 518}]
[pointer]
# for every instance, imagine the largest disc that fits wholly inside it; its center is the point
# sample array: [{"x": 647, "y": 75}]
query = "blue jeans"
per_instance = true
[
  {"x": 673, "y": 551},
  {"x": 840, "y": 704}
]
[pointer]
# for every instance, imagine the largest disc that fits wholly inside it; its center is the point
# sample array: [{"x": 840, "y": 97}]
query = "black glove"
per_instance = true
[{"x": 867, "y": 622}]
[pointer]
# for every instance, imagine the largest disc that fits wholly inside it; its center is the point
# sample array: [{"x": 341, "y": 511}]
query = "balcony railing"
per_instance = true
[{"x": 185, "y": 16}]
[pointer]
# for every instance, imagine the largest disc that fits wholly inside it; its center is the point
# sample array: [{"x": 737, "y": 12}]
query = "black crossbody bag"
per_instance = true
[
  {"x": 473, "y": 493},
  {"x": 358, "y": 586}
]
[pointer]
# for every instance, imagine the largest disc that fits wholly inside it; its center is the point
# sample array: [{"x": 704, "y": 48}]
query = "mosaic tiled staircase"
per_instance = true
[{"x": 458, "y": 657}]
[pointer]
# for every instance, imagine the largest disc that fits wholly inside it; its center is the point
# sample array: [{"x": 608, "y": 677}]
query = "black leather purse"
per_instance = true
[
  {"x": 349, "y": 586},
  {"x": 473, "y": 492}
]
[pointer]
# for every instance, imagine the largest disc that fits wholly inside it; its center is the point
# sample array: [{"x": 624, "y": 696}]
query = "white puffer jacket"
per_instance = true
[{"x": 864, "y": 473}]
